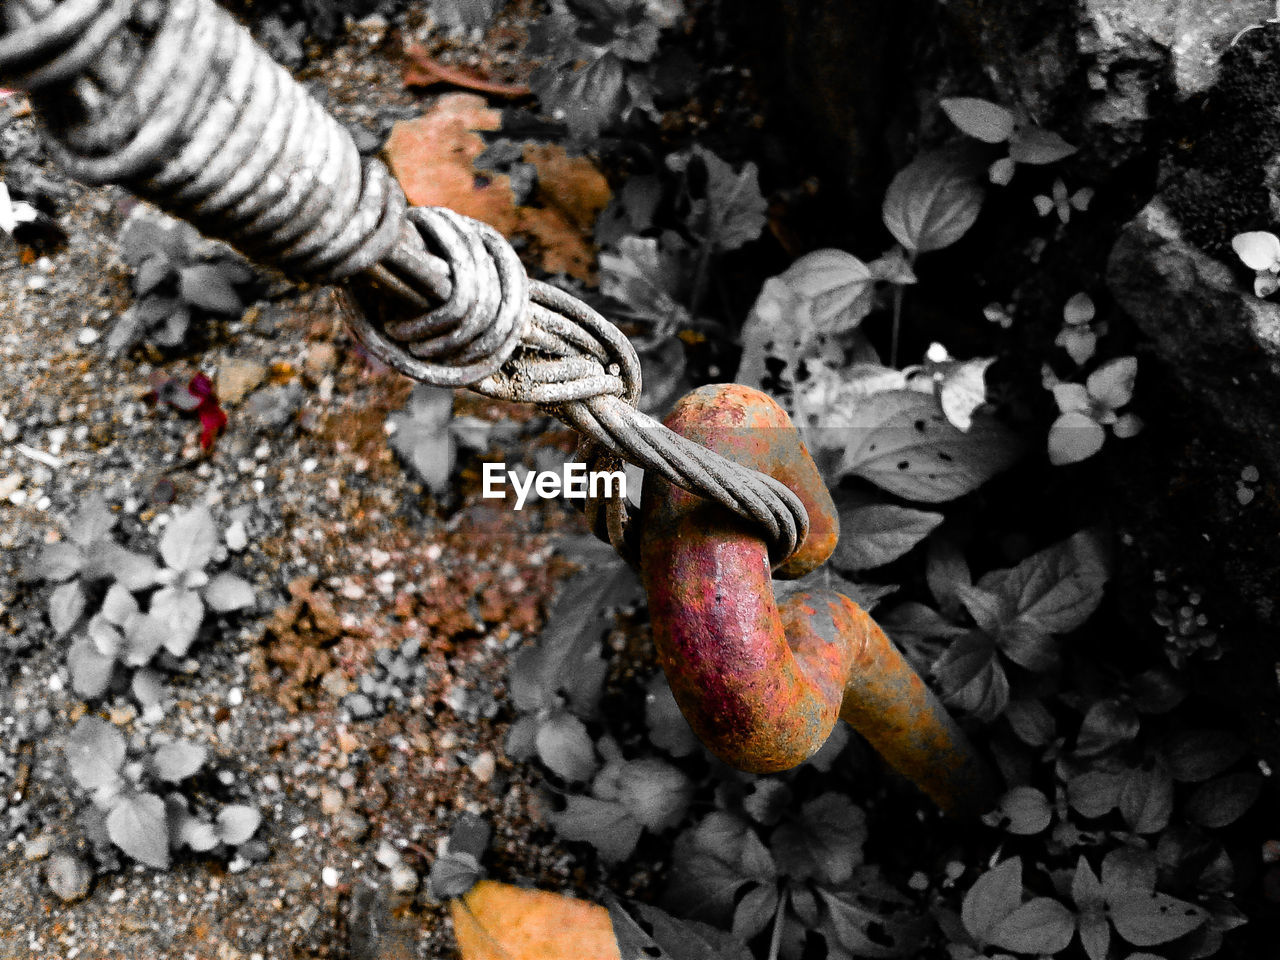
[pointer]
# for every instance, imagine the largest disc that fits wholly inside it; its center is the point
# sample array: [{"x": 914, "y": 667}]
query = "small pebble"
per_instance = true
[
  {"x": 404, "y": 879},
  {"x": 330, "y": 877},
  {"x": 87, "y": 336},
  {"x": 484, "y": 766},
  {"x": 236, "y": 537},
  {"x": 68, "y": 877},
  {"x": 37, "y": 848}
]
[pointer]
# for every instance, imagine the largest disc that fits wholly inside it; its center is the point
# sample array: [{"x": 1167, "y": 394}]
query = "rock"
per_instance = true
[
  {"x": 484, "y": 766},
  {"x": 37, "y": 848},
  {"x": 237, "y": 378},
  {"x": 404, "y": 879},
  {"x": 1221, "y": 341},
  {"x": 352, "y": 826},
  {"x": 68, "y": 877},
  {"x": 274, "y": 407}
]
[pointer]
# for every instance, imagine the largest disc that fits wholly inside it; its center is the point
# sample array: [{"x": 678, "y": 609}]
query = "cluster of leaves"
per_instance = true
[
  {"x": 991, "y": 123},
  {"x": 602, "y": 61},
  {"x": 659, "y": 278},
  {"x": 556, "y": 686},
  {"x": 177, "y": 277},
  {"x": 1259, "y": 250},
  {"x": 127, "y": 807},
  {"x": 96, "y": 600}
]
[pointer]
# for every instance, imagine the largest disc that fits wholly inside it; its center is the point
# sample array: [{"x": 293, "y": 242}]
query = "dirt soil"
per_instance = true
[{"x": 348, "y": 555}]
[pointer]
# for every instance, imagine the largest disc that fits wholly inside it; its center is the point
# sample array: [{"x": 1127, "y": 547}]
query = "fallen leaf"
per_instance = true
[
  {"x": 497, "y": 921},
  {"x": 433, "y": 156}
]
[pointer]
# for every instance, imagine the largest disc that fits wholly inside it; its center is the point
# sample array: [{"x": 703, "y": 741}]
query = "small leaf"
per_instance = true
[
  {"x": 1074, "y": 437},
  {"x": 980, "y": 119},
  {"x": 1058, "y": 588},
  {"x": 1146, "y": 799},
  {"x": 1258, "y": 249},
  {"x": 735, "y": 207},
  {"x": 1031, "y": 721},
  {"x": 57, "y": 562},
  {"x": 226, "y": 593},
  {"x": 668, "y": 729},
  {"x": 1147, "y": 918},
  {"x": 655, "y": 793},
  {"x": 236, "y": 823},
  {"x": 189, "y": 540},
  {"x": 90, "y": 671},
  {"x": 712, "y": 862},
  {"x": 1108, "y": 724},
  {"x": 180, "y": 612},
  {"x": 95, "y": 752},
  {"x": 1027, "y": 810},
  {"x": 66, "y": 607},
  {"x": 823, "y": 842},
  {"x": 144, "y": 636},
  {"x": 1111, "y": 385},
  {"x": 204, "y": 286},
  {"x": 176, "y": 761},
  {"x": 874, "y": 535},
  {"x": 995, "y": 896},
  {"x": 1094, "y": 793},
  {"x": 137, "y": 824},
  {"x": 197, "y": 834},
  {"x": 1038, "y": 147},
  {"x": 422, "y": 436},
  {"x": 1197, "y": 755},
  {"x": 565, "y": 747},
  {"x": 971, "y": 678},
  {"x": 932, "y": 202},
  {"x": 1040, "y": 926},
  {"x": 130, "y": 570},
  {"x": 1223, "y": 801},
  {"x": 606, "y": 825}
]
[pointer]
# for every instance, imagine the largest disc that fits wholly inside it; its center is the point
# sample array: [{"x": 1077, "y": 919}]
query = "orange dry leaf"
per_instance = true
[
  {"x": 496, "y": 921},
  {"x": 433, "y": 158}
]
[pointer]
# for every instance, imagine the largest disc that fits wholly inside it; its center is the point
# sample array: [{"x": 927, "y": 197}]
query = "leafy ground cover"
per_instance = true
[{"x": 283, "y": 684}]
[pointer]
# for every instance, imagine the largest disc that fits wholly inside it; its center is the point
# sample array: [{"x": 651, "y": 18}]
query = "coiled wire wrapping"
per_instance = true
[{"x": 173, "y": 99}]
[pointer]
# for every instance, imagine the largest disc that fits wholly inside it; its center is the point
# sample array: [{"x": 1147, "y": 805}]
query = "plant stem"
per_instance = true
[
  {"x": 775, "y": 943},
  {"x": 700, "y": 280},
  {"x": 899, "y": 290}
]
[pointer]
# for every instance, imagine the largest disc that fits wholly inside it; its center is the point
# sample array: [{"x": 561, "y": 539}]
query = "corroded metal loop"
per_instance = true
[{"x": 763, "y": 683}]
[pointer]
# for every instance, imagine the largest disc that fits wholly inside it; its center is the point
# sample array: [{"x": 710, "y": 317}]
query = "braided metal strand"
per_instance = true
[{"x": 174, "y": 100}]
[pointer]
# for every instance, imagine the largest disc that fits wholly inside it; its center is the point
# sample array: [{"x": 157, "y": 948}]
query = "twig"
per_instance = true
[{"x": 423, "y": 71}]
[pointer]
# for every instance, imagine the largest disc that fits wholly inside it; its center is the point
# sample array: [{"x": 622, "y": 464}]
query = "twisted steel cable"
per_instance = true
[{"x": 173, "y": 99}]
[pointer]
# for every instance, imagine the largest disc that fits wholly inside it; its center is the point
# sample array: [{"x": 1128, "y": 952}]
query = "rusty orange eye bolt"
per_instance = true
[{"x": 763, "y": 684}]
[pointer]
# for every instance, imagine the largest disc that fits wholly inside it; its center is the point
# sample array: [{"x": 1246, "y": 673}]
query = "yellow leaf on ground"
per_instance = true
[
  {"x": 433, "y": 158},
  {"x": 497, "y": 921}
]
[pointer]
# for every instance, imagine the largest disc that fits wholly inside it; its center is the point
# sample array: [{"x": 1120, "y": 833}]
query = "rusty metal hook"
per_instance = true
[{"x": 763, "y": 684}]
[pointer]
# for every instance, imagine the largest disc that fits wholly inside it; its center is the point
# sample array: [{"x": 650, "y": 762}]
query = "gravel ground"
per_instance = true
[{"x": 348, "y": 555}]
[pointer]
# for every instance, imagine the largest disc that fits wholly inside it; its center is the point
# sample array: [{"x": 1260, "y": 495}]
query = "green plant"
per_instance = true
[
  {"x": 1086, "y": 410},
  {"x": 991, "y": 123},
  {"x": 127, "y": 808},
  {"x": 177, "y": 277},
  {"x": 600, "y": 61},
  {"x": 1260, "y": 252},
  {"x": 120, "y": 636}
]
